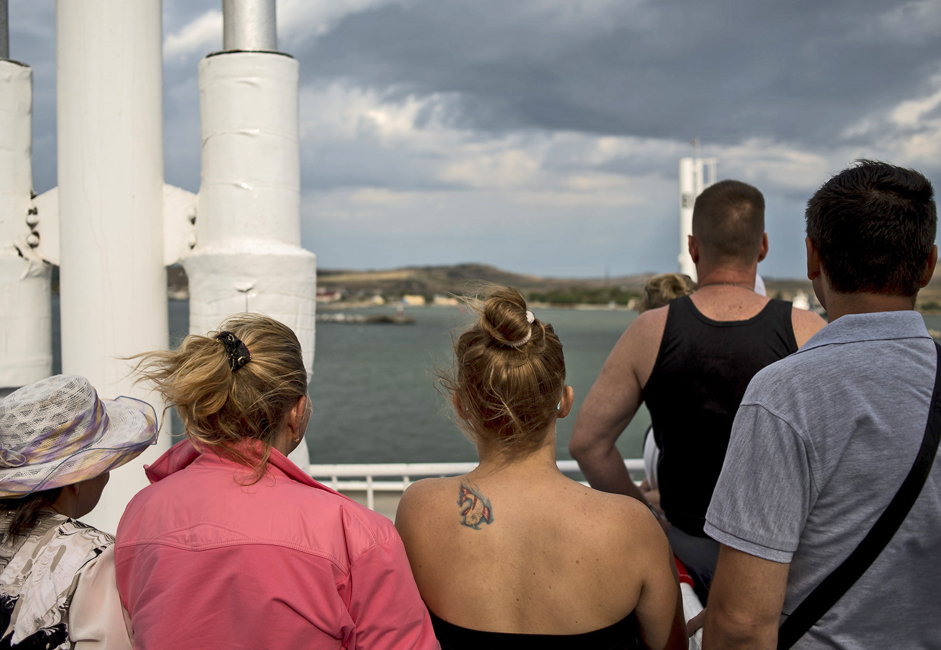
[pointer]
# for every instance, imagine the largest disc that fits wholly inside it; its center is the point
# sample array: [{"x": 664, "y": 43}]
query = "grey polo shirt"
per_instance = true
[{"x": 820, "y": 445}]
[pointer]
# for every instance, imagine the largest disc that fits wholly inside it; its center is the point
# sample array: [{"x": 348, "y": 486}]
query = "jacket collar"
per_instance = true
[
  {"x": 183, "y": 454},
  {"x": 876, "y": 326}
]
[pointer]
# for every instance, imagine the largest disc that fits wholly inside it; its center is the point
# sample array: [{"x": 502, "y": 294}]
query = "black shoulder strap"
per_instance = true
[{"x": 828, "y": 592}]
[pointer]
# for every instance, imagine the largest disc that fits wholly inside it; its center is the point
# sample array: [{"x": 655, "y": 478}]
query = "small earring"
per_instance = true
[
  {"x": 559, "y": 407},
  {"x": 296, "y": 439}
]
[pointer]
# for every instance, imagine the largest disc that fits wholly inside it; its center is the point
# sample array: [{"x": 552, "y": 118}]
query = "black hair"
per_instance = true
[
  {"x": 729, "y": 221},
  {"x": 25, "y": 511},
  {"x": 874, "y": 226}
]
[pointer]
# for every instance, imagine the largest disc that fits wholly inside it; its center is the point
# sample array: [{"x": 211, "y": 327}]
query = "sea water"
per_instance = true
[
  {"x": 374, "y": 395},
  {"x": 373, "y": 392},
  {"x": 373, "y": 388}
]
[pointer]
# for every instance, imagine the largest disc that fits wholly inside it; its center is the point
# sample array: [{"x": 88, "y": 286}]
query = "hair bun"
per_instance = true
[{"x": 506, "y": 318}]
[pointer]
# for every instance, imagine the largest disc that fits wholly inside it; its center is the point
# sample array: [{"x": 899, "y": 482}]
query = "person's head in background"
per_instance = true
[
  {"x": 661, "y": 289},
  {"x": 728, "y": 229},
  {"x": 871, "y": 231},
  {"x": 58, "y": 442},
  {"x": 507, "y": 384},
  {"x": 240, "y": 392}
]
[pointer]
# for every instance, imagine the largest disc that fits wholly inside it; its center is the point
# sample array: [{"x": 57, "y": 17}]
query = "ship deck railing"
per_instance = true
[{"x": 370, "y": 478}]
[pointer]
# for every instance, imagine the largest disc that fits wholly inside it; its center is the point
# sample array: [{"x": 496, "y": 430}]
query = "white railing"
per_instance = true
[{"x": 395, "y": 477}]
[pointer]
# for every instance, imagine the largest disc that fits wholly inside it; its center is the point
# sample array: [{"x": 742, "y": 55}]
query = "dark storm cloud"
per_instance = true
[{"x": 797, "y": 71}]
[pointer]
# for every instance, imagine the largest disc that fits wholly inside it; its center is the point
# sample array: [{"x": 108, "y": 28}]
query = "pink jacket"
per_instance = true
[{"x": 203, "y": 562}]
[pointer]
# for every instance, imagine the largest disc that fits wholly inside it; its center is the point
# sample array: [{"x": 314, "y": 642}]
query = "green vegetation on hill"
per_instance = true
[{"x": 584, "y": 296}]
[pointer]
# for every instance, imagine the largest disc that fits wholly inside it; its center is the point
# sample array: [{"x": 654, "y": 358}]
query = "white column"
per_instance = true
[
  {"x": 688, "y": 193},
  {"x": 110, "y": 140},
  {"x": 248, "y": 255},
  {"x": 25, "y": 312}
]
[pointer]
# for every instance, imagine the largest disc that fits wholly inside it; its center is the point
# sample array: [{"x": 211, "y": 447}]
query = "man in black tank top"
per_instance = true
[{"x": 691, "y": 362}]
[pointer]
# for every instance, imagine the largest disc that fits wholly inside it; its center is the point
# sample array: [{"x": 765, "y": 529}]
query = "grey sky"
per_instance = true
[{"x": 543, "y": 135}]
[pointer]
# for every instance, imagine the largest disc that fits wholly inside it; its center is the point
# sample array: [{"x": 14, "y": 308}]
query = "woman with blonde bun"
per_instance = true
[
  {"x": 515, "y": 554},
  {"x": 233, "y": 546}
]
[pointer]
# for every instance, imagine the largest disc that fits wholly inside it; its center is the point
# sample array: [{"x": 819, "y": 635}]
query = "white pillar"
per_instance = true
[
  {"x": 25, "y": 311},
  {"x": 688, "y": 193},
  {"x": 110, "y": 140},
  {"x": 248, "y": 256}
]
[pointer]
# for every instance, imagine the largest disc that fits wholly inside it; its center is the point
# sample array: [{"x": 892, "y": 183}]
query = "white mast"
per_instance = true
[
  {"x": 25, "y": 311},
  {"x": 110, "y": 201},
  {"x": 248, "y": 255},
  {"x": 693, "y": 180}
]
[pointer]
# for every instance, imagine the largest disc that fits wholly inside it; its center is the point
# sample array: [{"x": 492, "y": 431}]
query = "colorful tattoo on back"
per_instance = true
[{"x": 475, "y": 508}]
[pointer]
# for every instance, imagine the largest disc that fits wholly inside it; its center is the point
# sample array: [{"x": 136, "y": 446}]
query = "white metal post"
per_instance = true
[
  {"x": 248, "y": 255},
  {"x": 110, "y": 141},
  {"x": 693, "y": 181},
  {"x": 25, "y": 310},
  {"x": 249, "y": 26},
  {"x": 687, "y": 200}
]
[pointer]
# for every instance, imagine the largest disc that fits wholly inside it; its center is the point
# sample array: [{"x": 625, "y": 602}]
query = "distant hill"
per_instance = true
[
  {"x": 458, "y": 279},
  {"x": 461, "y": 279}
]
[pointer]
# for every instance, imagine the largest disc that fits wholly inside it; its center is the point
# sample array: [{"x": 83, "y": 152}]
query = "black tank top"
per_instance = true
[
  {"x": 702, "y": 370},
  {"x": 623, "y": 635}
]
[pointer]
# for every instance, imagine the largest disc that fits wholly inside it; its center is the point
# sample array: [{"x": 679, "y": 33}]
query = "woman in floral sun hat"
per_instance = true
[{"x": 58, "y": 441}]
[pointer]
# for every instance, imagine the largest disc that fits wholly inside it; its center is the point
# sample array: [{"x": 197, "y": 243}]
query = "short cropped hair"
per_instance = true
[
  {"x": 874, "y": 226},
  {"x": 729, "y": 221}
]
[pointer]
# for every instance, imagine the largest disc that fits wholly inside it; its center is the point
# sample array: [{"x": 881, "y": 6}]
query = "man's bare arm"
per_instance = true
[
  {"x": 745, "y": 602},
  {"x": 612, "y": 402},
  {"x": 806, "y": 324}
]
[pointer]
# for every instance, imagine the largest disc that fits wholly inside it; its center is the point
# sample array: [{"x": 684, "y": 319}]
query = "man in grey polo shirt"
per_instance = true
[{"x": 824, "y": 438}]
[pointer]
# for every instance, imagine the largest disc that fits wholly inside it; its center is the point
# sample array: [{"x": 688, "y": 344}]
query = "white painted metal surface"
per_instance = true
[
  {"x": 25, "y": 311},
  {"x": 110, "y": 144},
  {"x": 696, "y": 174},
  {"x": 179, "y": 223},
  {"x": 395, "y": 477},
  {"x": 249, "y": 25},
  {"x": 687, "y": 200},
  {"x": 248, "y": 255}
]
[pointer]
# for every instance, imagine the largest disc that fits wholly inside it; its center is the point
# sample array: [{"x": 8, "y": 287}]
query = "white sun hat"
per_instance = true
[{"x": 57, "y": 432}]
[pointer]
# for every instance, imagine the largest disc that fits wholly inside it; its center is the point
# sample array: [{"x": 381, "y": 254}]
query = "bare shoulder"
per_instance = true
[
  {"x": 624, "y": 519},
  {"x": 806, "y": 324},
  {"x": 641, "y": 341},
  {"x": 419, "y": 497},
  {"x": 649, "y": 324}
]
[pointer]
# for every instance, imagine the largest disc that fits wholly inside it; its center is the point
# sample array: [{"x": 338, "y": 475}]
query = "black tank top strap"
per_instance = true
[{"x": 623, "y": 635}]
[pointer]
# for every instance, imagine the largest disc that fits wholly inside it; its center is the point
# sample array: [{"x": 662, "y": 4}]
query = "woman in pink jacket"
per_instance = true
[{"x": 233, "y": 546}]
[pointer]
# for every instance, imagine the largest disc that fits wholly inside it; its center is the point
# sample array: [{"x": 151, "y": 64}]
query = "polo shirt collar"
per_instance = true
[{"x": 876, "y": 326}]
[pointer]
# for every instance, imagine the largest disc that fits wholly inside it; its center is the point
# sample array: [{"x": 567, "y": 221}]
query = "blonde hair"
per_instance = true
[
  {"x": 661, "y": 289},
  {"x": 508, "y": 385},
  {"x": 221, "y": 407}
]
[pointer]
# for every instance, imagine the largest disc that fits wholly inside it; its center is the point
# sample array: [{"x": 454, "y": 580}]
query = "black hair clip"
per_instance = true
[{"x": 237, "y": 351}]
